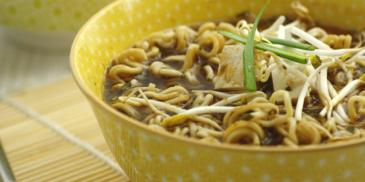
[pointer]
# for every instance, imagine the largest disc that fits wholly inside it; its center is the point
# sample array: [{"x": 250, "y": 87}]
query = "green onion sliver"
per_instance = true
[
  {"x": 300, "y": 58},
  {"x": 292, "y": 44},
  {"x": 248, "y": 54}
]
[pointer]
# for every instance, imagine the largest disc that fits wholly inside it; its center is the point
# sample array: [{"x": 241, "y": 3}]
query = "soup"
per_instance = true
[{"x": 190, "y": 81}]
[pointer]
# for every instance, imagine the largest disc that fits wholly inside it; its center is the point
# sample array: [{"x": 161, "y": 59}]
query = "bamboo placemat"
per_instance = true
[{"x": 50, "y": 134}]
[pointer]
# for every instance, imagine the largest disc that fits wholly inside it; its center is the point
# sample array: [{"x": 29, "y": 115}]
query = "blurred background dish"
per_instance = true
[
  {"x": 46, "y": 23},
  {"x": 35, "y": 38}
]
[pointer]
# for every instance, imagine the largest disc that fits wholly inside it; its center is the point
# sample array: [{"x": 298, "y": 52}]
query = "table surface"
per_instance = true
[
  {"x": 50, "y": 134},
  {"x": 47, "y": 128}
]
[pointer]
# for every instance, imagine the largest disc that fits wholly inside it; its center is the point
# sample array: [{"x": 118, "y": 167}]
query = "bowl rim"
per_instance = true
[{"x": 221, "y": 146}]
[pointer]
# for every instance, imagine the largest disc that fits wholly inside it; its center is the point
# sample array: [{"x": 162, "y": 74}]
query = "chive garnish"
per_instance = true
[
  {"x": 248, "y": 54},
  {"x": 300, "y": 58},
  {"x": 292, "y": 44}
]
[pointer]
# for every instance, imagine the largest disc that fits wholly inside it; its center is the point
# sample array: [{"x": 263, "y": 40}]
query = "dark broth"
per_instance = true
[{"x": 311, "y": 107}]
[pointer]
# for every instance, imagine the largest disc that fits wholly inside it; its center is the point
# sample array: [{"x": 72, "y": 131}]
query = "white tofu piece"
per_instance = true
[
  {"x": 283, "y": 81},
  {"x": 230, "y": 68}
]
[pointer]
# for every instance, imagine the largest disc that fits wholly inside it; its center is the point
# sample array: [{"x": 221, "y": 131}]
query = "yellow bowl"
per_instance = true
[{"x": 146, "y": 155}]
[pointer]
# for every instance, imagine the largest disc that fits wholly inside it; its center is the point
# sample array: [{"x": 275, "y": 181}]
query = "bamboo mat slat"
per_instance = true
[
  {"x": 9, "y": 116},
  {"x": 60, "y": 100},
  {"x": 37, "y": 152}
]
